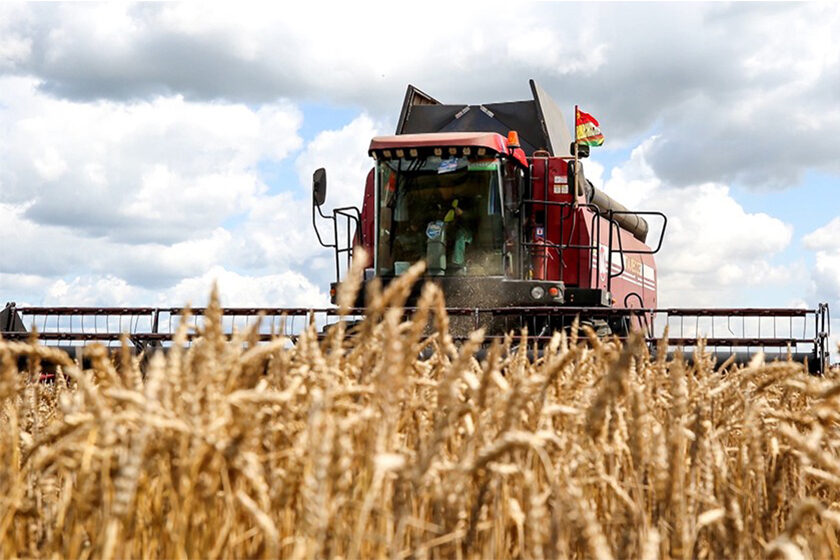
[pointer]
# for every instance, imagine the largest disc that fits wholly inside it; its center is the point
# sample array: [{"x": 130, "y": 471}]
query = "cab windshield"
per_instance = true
[{"x": 446, "y": 211}]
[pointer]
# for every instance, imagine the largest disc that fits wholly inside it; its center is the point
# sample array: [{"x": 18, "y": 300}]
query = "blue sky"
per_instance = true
[{"x": 150, "y": 149}]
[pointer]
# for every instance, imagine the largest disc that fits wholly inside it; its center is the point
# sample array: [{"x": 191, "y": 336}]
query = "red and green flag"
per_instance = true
[{"x": 586, "y": 129}]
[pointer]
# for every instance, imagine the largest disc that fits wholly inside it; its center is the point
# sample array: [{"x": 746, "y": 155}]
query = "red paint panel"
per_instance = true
[{"x": 368, "y": 213}]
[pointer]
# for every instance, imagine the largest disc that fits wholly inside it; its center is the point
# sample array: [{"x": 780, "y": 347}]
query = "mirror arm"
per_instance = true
[
  {"x": 315, "y": 225},
  {"x": 320, "y": 212}
]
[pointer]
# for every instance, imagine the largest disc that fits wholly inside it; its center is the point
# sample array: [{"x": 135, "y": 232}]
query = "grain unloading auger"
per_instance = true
[{"x": 494, "y": 199}]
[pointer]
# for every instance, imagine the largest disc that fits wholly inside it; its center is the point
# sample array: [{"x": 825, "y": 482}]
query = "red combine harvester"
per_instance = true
[{"x": 494, "y": 198}]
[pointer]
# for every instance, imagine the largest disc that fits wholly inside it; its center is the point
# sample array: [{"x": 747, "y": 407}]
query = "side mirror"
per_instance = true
[
  {"x": 582, "y": 150},
  {"x": 319, "y": 186},
  {"x": 575, "y": 177},
  {"x": 571, "y": 173}
]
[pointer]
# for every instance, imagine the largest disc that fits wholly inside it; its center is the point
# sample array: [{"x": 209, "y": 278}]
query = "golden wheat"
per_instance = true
[{"x": 351, "y": 446}]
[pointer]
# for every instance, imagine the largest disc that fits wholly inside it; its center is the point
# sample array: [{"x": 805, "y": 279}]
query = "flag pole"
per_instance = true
[{"x": 575, "y": 153}]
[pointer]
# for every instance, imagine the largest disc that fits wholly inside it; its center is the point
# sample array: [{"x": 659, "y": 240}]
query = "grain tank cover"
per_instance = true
[{"x": 538, "y": 121}]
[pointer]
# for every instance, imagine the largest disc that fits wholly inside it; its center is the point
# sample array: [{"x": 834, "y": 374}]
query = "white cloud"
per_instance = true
[
  {"x": 730, "y": 84},
  {"x": 15, "y": 45},
  {"x": 555, "y": 55},
  {"x": 344, "y": 154},
  {"x": 276, "y": 234},
  {"x": 826, "y": 238},
  {"x": 713, "y": 249},
  {"x": 825, "y": 273},
  {"x": 271, "y": 243},
  {"x": 286, "y": 289},
  {"x": 23, "y": 289},
  {"x": 57, "y": 251},
  {"x": 716, "y": 254},
  {"x": 165, "y": 170},
  {"x": 104, "y": 290}
]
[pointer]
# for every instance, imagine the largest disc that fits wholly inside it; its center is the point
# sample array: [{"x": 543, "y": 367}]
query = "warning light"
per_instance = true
[
  {"x": 553, "y": 291},
  {"x": 513, "y": 139}
]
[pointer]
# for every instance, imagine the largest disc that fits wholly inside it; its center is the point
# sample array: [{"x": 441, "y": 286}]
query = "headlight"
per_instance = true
[{"x": 537, "y": 292}]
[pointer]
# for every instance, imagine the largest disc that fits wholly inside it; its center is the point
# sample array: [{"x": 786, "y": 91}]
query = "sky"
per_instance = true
[{"x": 148, "y": 150}]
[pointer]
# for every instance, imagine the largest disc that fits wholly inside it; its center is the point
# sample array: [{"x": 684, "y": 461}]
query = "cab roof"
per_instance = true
[{"x": 490, "y": 140}]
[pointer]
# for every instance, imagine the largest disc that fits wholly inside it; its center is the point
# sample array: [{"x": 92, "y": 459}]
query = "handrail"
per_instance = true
[{"x": 352, "y": 216}]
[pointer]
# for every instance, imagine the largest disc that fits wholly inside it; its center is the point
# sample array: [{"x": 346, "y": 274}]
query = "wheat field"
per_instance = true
[{"x": 349, "y": 446}]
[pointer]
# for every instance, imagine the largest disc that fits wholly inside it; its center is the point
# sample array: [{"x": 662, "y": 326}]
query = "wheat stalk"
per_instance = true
[{"x": 388, "y": 439}]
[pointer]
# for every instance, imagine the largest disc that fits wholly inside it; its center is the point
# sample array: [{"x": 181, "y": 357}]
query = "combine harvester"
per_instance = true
[{"x": 493, "y": 197}]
